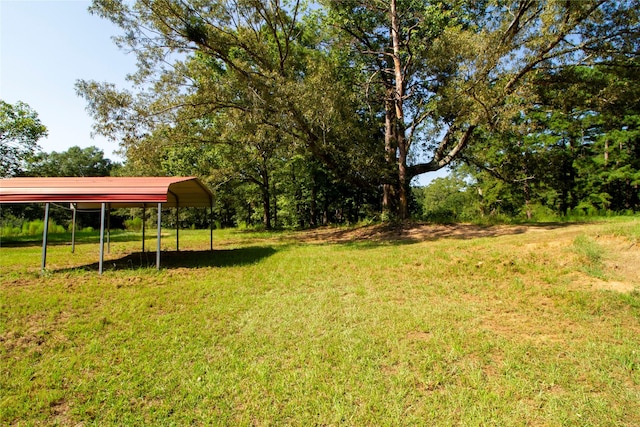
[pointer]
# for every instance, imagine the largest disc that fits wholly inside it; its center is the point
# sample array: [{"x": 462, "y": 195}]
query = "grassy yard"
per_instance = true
[{"x": 421, "y": 325}]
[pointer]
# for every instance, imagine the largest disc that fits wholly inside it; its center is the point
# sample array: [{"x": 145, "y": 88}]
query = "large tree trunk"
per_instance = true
[
  {"x": 390, "y": 147},
  {"x": 398, "y": 100},
  {"x": 403, "y": 185}
]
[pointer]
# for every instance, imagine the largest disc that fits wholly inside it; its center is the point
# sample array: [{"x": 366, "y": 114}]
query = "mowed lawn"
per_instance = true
[{"x": 372, "y": 326}]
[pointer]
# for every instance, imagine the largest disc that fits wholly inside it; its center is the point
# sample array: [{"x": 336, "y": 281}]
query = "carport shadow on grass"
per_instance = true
[
  {"x": 82, "y": 237},
  {"x": 183, "y": 259}
]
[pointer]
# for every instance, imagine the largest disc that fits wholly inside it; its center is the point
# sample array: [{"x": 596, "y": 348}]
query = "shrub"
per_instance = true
[
  {"x": 134, "y": 224},
  {"x": 32, "y": 228},
  {"x": 10, "y": 231}
]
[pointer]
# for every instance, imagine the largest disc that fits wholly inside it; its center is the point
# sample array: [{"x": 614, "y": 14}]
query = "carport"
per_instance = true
[{"x": 106, "y": 193}]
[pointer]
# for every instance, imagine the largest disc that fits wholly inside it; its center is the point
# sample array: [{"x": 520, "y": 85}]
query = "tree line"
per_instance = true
[{"x": 300, "y": 113}]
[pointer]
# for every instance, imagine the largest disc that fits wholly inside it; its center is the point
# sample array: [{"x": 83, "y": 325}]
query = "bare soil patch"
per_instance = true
[{"x": 407, "y": 231}]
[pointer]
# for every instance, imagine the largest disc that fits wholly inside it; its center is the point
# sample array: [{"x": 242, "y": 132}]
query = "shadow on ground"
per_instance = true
[
  {"x": 184, "y": 259},
  {"x": 64, "y": 239}
]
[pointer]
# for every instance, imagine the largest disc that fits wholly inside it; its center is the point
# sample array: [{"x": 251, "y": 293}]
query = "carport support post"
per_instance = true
[
  {"x": 45, "y": 232},
  {"x": 74, "y": 208},
  {"x": 211, "y": 225},
  {"x": 102, "y": 215},
  {"x": 177, "y": 228},
  {"x": 144, "y": 223},
  {"x": 109, "y": 228},
  {"x": 159, "y": 229}
]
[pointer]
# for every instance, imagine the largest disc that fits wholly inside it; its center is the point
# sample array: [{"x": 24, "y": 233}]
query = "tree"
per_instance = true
[
  {"x": 435, "y": 75},
  {"x": 447, "y": 69},
  {"x": 251, "y": 77},
  {"x": 230, "y": 60},
  {"x": 20, "y": 130},
  {"x": 577, "y": 148},
  {"x": 448, "y": 199},
  {"x": 75, "y": 161},
  {"x": 613, "y": 167}
]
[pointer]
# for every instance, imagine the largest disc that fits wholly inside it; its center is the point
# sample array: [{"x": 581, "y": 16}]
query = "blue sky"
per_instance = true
[{"x": 45, "y": 46}]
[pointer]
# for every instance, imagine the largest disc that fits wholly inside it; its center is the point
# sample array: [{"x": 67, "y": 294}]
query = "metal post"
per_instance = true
[
  {"x": 211, "y": 225},
  {"x": 144, "y": 222},
  {"x": 45, "y": 233},
  {"x": 178, "y": 228},
  {"x": 109, "y": 228},
  {"x": 159, "y": 230},
  {"x": 102, "y": 215},
  {"x": 74, "y": 208}
]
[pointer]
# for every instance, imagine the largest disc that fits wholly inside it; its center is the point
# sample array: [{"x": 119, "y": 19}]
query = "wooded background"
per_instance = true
[{"x": 302, "y": 113}]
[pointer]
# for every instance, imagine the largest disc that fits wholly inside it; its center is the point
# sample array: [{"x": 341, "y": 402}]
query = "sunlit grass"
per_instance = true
[
  {"x": 268, "y": 330},
  {"x": 591, "y": 255}
]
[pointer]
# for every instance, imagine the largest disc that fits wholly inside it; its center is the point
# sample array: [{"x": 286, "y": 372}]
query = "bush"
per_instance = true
[
  {"x": 538, "y": 213},
  {"x": 134, "y": 224},
  {"x": 441, "y": 215},
  {"x": 10, "y": 231},
  {"x": 31, "y": 228}
]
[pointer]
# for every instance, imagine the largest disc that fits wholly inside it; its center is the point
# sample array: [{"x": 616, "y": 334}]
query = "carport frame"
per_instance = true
[{"x": 109, "y": 192}]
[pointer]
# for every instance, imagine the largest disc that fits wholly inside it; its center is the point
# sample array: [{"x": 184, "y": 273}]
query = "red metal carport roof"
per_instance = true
[
  {"x": 116, "y": 191},
  {"x": 107, "y": 192}
]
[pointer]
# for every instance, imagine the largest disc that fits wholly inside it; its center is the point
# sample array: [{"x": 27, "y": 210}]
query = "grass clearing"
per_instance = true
[{"x": 415, "y": 325}]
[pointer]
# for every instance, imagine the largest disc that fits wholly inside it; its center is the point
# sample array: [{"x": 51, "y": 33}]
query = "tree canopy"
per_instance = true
[
  {"x": 75, "y": 161},
  {"x": 20, "y": 130},
  {"x": 365, "y": 94}
]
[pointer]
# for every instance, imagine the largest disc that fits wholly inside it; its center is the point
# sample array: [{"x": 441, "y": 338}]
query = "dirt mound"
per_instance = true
[
  {"x": 621, "y": 261},
  {"x": 407, "y": 231}
]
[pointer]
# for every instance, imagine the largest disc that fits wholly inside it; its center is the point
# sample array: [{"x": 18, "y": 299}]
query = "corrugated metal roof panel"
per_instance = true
[{"x": 117, "y": 191}]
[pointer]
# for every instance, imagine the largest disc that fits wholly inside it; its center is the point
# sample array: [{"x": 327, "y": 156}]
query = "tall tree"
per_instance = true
[
  {"x": 208, "y": 65},
  {"x": 20, "y": 130},
  {"x": 445, "y": 69},
  {"x": 251, "y": 77},
  {"x": 435, "y": 74}
]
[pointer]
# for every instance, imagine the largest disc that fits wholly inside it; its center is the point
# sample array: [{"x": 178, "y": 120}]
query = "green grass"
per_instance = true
[
  {"x": 281, "y": 329},
  {"x": 591, "y": 253}
]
